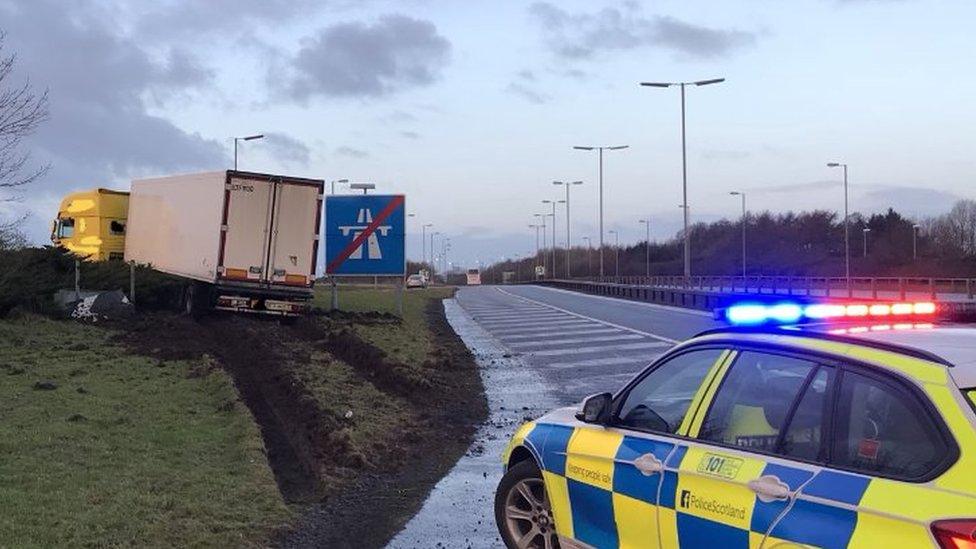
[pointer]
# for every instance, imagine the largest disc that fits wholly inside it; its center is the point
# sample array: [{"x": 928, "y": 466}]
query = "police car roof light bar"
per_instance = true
[{"x": 786, "y": 312}]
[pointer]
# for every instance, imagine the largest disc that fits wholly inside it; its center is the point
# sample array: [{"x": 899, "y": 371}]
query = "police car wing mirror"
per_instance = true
[{"x": 596, "y": 408}]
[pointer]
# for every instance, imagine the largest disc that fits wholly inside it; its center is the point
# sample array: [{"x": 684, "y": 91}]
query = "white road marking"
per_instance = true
[
  {"x": 520, "y": 316},
  {"x": 599, "y": 348},
  {"x": 509, "y": 326},
  {"x": 574, "y": 332},
  {"x": 609, "y": 361},
  {"x": 548, "y": 328},
  {"x": 668, "y": 308},
  {"x": 516, "y": 323},
  {"x": 591, "y": 319},
  {"x": 546, "y": 343}
]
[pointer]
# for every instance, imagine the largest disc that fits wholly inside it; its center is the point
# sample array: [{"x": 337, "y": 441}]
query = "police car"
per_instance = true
[{"x": 820, "y": 434}]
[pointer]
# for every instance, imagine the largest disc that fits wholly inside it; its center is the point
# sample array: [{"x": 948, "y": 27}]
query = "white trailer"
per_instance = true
[{"x": 244, "y": 241}]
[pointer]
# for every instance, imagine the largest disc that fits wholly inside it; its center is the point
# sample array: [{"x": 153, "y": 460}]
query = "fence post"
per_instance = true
[
  {"x": 874, "y": 288},
  {"x": 334, "y": 306},
  {"x": 77, "y": 280},
  {"x": 132, "y": 282},
  {"x": 969, "y": 287},
  {"x": 901, "y": 289},
  {"x": 932, "y": 288}
]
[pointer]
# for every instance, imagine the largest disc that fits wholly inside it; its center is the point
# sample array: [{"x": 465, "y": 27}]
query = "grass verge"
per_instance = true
[{"x": 103, "y": 447}]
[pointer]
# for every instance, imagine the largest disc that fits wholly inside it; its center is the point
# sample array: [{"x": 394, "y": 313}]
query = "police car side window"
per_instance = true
[
  {"x": 881, "y": 428},
  {"x": 751, "y": 405},
  {"x": 660, "y": 401}
]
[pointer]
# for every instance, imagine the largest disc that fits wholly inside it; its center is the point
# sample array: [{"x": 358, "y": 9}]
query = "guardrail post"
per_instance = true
[
  {"x": 932, "y": 287},
  {"x": 969, "y": 287},
  {"x": 874, "y": 288},
  {"x": 901, "y": 289}
]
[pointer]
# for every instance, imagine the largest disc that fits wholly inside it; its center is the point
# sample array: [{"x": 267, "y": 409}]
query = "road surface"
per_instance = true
[{"x": 538, "y": 348}]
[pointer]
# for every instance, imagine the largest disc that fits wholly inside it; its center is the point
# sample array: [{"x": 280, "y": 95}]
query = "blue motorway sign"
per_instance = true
[{"x": 365, "y": 234}]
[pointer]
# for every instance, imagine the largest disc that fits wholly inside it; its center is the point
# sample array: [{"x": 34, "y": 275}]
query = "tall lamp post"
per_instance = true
[
  {"x": 915, "y": 229},
  {"x": 847, "y": 230},
  {"x": 569, "y": 244},
  {"x": 647, "y": 247},
  {"x": 616, "y": 246},
  {"x": 684, "y": 155},
  {"x": 432, "y": 270},
  {"x": 246, "y": 138},
  {"x": 542, "y": 221},
  {"x": 601, "y": 149},
  {"x": 743, "y": 195},
  {"x": 423, "y": 242},
  {"x": 553, "y": 215},
  {"x": 589, "y": 256},
  {"x": 536, "y": 227}
]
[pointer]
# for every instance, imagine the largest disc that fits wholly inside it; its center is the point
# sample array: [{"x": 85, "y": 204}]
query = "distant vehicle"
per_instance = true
[
  {"x": 91, "y": 224},
  {"x": 242, "y": 241},
  {"x": 416, "y": 281},
  {"x": 474, "y": 277}
]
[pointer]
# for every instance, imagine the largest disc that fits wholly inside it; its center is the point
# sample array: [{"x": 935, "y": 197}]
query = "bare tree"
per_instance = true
[{"x": 21, "y": 112}]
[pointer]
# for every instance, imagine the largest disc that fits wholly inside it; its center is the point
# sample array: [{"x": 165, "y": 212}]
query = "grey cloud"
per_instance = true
[
  {"x": 410, "y": 135},
  {"x": 524, "y": 86},
  {"x": 351, "y": 152},
  {"x": 287, "y": 149},
  {"x": 100, "y": 128},
  {"x": 211, "y": 19},
  {"x": 910, "y": 201},
  {"x": 360, "y": 60},
  {"x": 583, "y": 35},
  {"x": 400, "y": 116}
]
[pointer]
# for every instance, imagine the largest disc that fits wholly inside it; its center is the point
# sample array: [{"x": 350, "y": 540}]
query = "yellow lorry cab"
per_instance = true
[{"x": 91, "y": 224}]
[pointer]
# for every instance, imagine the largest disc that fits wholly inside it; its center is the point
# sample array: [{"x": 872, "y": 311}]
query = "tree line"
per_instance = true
[{"x": 788, "y": 244}]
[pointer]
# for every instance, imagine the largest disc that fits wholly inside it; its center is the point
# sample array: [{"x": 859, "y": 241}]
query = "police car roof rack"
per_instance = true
[{"x": 798, "y": 331}]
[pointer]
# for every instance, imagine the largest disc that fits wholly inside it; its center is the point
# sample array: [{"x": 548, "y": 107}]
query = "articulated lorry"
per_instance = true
[{"x": 242, "y": 241}]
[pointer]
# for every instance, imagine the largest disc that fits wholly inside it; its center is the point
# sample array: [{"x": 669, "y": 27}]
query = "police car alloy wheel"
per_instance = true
[{"x": 522, "y": 509}]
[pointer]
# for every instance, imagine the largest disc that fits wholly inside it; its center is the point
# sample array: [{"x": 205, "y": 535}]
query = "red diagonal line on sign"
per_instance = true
[{"x": 370, "y": 229}]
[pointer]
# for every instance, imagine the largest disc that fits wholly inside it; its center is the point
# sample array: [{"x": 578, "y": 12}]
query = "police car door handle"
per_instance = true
[
  {"x": 648, "y": 464},
  {"x": 770, "y": 488}
]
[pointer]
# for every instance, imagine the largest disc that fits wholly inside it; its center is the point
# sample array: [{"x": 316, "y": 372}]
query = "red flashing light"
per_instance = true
[{"x": 955, "y": 534}]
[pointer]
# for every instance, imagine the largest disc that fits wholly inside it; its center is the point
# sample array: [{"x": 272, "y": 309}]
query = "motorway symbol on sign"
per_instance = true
[{"x": 364, "y": 235}]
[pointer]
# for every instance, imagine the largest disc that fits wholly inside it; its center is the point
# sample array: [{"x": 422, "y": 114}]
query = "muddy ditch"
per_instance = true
[{"x": 344, "y": 499}]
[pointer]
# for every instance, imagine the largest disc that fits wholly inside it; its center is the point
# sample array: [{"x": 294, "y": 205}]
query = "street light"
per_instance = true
[
  {"x": 536, "y": 227},
  {"x": 432, "y": 270},
  {"x": 589, "y": 254},
  {"x": 865, "y": 231},
  {"x": 915, "y": 229},
  {"x": 365, "y": 187},
  {"x": 743, "y": 195},
  {"x": 616, "y": 245},
  {"x": 542, "y": 221},
  {"x": 847, "y": 232},
  {"x": 423, "y": 242},
  {"x": 601, "y": 149},
  {"x": 247, "y": 138},
  {"x": 334, "y": 181},
  {"x": 647, "y": 247},
  {"x": 684, "y": 155},
  {"x": 553, "y": 214},
  {"x": 569, "y": 245}
]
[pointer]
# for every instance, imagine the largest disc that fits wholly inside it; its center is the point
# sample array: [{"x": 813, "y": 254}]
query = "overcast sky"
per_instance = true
[{"x": 472, "y": 108}]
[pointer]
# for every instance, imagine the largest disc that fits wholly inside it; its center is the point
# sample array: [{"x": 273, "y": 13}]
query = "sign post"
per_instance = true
[{"x": 365, "y": 237}]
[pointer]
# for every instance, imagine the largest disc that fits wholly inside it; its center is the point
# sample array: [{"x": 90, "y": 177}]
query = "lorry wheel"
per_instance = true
[{"x": 195, "y": 299}]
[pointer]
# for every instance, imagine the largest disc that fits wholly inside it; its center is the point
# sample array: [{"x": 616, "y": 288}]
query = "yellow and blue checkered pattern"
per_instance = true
[{"x": 601, "y": 499}]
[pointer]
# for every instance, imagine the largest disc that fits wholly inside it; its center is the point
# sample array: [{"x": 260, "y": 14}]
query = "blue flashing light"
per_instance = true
[
  {"x": 785, "y": 312},
  {"x": 747, "y": 313}
]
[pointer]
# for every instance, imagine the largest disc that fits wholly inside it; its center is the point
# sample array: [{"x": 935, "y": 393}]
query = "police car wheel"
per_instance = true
[{"x": 522, "y": 509}]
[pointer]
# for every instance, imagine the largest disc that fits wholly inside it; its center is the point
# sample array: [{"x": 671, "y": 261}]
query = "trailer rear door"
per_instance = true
[
  {"x": 295, "y": 233},
  {"x": 247, "y": 216}
]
